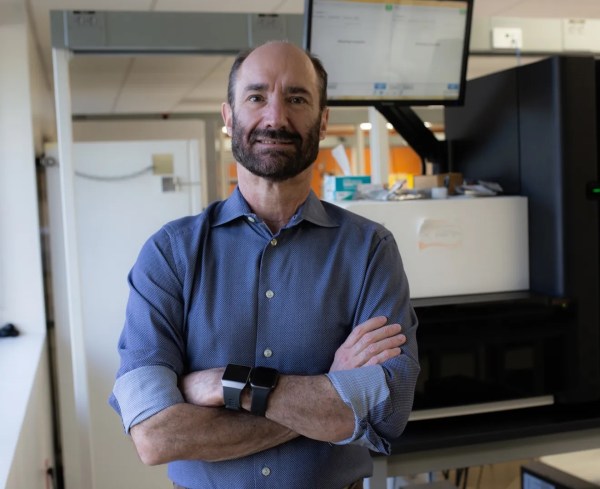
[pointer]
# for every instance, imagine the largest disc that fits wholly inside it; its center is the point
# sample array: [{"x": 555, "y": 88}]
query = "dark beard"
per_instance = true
[{"x": 272, "y": 164}]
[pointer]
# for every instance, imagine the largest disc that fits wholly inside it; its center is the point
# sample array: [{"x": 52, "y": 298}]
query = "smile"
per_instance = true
[{"x": 274, "y": 141}]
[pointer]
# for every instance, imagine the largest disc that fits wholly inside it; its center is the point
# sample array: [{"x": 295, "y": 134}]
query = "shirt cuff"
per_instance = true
[
  {"x": 363, "y": 389},
  {"x": 145, "y": 391}
]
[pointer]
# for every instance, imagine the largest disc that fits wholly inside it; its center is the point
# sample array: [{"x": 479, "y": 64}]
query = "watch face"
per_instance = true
[
  {"x": 236, "y": 373},
  {"x": 264, "y": 377}
]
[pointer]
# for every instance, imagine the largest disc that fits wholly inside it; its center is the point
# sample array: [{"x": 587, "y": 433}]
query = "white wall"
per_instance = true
[
  {"x": 143, "y": 130},
  {"x": 21, "y": 285},
  {"x": 25, "y": 120},
  {"x": 106, "y": 211}
]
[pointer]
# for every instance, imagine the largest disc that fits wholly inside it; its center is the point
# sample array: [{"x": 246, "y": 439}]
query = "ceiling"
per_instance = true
[{"x": 118, "y": 85}]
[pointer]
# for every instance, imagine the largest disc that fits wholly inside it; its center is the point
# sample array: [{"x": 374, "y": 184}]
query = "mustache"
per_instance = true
[{"x": 274, "y": 134}]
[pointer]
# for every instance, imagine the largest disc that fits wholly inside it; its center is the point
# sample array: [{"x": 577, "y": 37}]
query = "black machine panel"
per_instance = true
[
  {"x": 494, "y": 350},
  {"x": 535, "y": 130}
]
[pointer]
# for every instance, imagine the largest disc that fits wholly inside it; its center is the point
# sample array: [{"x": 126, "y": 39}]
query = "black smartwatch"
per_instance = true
[
  {"x": 234, "y": 379},
  {"x": 263, "y": 380}
]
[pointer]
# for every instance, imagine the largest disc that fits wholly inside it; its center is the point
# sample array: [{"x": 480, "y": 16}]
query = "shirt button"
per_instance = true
[
  {"x": 268, "y": 353},
  {"x": 266, "y": 471},
  {"x": 251, "y": 219},
  {"x": 270, "y": 294},
  {"x": 273, "y": 242}
]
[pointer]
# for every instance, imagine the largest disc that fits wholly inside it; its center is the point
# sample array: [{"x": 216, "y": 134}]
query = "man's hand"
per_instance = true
[
  {"x": 203, "y": 388},
  {"x": 370, "y": 343}
]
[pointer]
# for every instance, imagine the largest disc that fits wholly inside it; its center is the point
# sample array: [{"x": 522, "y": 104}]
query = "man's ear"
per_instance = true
[
  {"x": 227, "y": 115},
  {"x": 324, "y": 121}
]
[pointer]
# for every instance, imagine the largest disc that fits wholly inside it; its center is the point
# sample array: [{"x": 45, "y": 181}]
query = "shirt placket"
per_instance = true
[
  {"x": 269, "y": 301},
  {"x": 265, "y": 468}
]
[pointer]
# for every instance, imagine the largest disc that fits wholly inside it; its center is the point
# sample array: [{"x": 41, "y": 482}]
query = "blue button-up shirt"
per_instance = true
[{"x": 220, "y": 288}]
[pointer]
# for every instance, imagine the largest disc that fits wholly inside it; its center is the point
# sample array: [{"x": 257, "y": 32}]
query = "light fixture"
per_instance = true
[{"x": 366, "y": 126}]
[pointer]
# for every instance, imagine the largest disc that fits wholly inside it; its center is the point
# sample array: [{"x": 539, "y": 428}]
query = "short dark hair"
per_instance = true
[{"x": 316, "y": 62}]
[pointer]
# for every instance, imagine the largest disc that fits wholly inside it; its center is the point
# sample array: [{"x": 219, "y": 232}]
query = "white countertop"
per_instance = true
[
  {"x": 582, "y": 464},
  {"x": 19, "y": 360}
]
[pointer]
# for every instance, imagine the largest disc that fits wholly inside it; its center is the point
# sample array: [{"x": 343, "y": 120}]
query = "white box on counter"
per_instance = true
[
  {"x": 457, "y": 246},
  {"x": 342, "y": 188}
]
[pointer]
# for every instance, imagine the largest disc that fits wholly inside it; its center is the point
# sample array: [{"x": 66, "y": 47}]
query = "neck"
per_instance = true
[{"x": 274, "y": 202}]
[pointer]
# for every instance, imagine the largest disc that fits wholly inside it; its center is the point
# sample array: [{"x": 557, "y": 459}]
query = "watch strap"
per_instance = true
[
  {"x": 260, "y": 396},
  {"x": 232, "y": 397}
]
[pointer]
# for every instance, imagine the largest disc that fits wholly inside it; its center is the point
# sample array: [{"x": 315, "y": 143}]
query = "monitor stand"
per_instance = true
[{"x": 411, "y": 127}]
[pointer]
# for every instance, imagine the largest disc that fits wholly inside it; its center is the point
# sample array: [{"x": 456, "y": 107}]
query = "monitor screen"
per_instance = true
[
  {"x": 538, "y": 475},
  {"x": 410, "y": 52}
]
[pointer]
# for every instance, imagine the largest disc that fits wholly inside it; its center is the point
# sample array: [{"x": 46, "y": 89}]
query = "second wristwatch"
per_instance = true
[{"x": 262, "y": 381}]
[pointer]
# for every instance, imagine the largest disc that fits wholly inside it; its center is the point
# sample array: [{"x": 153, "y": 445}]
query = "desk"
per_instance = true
[
  {"x": 474, "y": 440},
  {"x": 583, "y": 465},
  {"x": 25, "y": 411}
]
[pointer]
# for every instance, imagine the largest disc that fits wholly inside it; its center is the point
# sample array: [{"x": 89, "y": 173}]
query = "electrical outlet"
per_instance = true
[
  {"x": 507, "y": 38},
  {"x": 169, "y": 184}
]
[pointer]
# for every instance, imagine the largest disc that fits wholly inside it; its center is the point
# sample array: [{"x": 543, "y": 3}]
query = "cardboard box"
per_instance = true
[
  {"x": 342, "y": 188},
  {"x": 430, "y": 181}
]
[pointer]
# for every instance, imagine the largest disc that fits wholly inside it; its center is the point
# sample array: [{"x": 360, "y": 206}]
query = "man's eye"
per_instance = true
[
  {"x": 254, "y": 98},
  {"x": 297, "y": 100}
]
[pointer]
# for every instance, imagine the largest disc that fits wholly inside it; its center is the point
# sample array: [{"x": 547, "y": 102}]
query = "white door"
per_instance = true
[{"x": 119, "y": 203}]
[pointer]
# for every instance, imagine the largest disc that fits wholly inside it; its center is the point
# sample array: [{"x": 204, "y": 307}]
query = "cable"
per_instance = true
[
  {"x": 465, "y": 480},
  {"x": 480, "y": 477},
  {"x": 461, "y": 477},
  {"x": 189, "y": 184},
  {"x": 127, "y": 176},
  {"x": 457, "y": 477}
]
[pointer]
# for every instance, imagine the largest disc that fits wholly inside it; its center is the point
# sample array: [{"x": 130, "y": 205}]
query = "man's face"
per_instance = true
[
  {"x": 274, "y": 154},
  {"x": 276, "y": 122}
]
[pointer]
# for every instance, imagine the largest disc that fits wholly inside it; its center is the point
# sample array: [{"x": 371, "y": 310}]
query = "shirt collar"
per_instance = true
[{"x": 311, "y": 210}]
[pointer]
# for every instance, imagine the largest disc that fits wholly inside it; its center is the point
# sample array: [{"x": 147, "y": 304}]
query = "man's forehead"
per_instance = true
[{"x": 283, "y": 65}]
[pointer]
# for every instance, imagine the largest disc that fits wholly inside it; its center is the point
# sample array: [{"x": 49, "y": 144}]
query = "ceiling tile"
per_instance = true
[
  {"x": 537, "y": 8},
  {"x": 258, "y": 6},
  {"x": 81, "y": 65},
  {"x": 188, "y": 64},
  {"x": 165, "y": 83}
]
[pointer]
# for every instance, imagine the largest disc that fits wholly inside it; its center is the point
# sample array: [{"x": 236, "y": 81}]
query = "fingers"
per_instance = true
[
  {"x": 381, "y": 345},
  {"x": 391, "y": 331},
  {"x": 383, "y": 356},
  {"x": 362, "y": 329},
  {"x": 370, "y": 343},
  {"x": 375, "y": 342},
  {"x": 372, "y": 332}
]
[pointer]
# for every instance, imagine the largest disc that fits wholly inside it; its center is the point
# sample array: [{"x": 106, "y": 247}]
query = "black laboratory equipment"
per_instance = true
[{"x": 535, "y": 130}]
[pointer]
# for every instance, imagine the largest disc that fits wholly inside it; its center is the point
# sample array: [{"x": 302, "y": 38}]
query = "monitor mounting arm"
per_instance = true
[{"x": 410, "y": 126}]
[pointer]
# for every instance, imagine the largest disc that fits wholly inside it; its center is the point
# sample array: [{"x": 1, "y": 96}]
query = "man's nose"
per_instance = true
[{"x": 275, "y": 113}]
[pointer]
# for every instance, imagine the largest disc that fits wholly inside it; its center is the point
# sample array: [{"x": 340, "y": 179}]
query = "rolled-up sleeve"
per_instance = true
[
  {"x": 381, "y": 396},
  {"x": 151, "y": 345},
  {"x": 145, "y": 391}
]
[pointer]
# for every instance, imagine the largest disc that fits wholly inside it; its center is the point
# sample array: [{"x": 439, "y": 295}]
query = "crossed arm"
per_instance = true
[{"x": 300, "y": 405}]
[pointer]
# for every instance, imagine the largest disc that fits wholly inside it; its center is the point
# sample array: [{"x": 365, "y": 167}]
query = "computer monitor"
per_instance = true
[
  {"x": 406, "y": 52},
  {"x": 537, "y": 475}
]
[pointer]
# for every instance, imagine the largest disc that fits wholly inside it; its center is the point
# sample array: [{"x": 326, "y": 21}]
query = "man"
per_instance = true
[{"x": 286, "y": 309}]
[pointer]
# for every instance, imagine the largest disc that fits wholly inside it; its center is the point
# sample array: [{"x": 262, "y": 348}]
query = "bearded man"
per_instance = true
[{"x": 269, "y": 342}]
